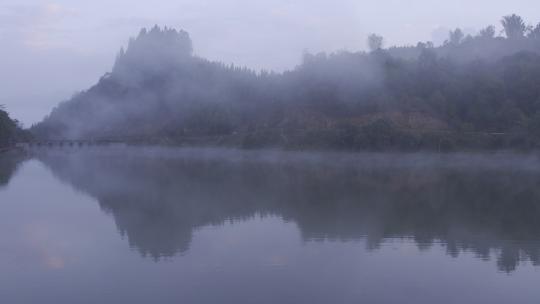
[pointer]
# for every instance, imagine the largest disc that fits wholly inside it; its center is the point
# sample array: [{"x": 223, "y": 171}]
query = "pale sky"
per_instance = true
[{"x": 52, "y": 49}]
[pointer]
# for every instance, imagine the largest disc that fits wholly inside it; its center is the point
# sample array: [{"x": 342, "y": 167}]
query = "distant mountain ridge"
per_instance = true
[{"x": 471, "y": 92}]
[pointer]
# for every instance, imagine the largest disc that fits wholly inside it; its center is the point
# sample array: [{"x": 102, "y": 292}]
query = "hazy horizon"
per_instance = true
[{"x": 54, "y": 49}]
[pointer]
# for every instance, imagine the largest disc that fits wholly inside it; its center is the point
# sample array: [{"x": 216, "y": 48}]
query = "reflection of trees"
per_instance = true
[
  {"x": 8, "y": 166},
  {"x": 158, "y": 201}
]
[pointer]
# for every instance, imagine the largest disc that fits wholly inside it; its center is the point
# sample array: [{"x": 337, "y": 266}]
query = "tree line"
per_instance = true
[
  {"x": 10, "y": 130},
  {"x": 472, "y": 92}
]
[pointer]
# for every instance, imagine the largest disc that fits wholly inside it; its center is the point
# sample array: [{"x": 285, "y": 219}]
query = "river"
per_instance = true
[{"x": 167, "y": 225}]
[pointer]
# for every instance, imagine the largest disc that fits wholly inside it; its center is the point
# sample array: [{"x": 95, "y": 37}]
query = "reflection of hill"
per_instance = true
[
  {"x": 8, "y": 166},
  {"x": 158, "y": 200}
]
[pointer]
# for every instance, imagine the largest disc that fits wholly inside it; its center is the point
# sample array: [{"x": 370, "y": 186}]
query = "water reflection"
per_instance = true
[
  {"x": 485, "y": 205},
  {"x": 9, "y": 164}
]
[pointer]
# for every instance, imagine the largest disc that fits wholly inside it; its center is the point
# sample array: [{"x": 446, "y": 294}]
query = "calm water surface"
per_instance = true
[{"x": 222, "y": 226}]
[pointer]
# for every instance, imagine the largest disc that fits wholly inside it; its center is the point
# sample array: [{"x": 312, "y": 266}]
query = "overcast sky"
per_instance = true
[{"x": 52, "y": 49}]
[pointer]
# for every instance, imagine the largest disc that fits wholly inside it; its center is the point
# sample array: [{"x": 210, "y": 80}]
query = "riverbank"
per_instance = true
[{"x": 352, "y": 140}]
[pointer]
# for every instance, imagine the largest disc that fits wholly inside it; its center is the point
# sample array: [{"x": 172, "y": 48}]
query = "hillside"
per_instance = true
[{"x": 472, "y": 92}]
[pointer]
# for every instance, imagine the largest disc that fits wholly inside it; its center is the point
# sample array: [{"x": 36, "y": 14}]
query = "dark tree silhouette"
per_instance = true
[
  {"x": 534, "y": 32},
  {"x": 8, "y": 129},
  {"x": 487, "y": 32},
  {"x": 375, "y": 42},
  {"x": 455, "y": 37},
  {"x": 514, "y": 26}
]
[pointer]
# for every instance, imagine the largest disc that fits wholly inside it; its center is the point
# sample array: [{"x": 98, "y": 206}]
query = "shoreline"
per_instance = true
[{"x": 54, "y": 145}]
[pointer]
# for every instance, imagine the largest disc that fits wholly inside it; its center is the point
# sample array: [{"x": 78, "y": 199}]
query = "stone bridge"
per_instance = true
[{"x": 49, "y": 144}]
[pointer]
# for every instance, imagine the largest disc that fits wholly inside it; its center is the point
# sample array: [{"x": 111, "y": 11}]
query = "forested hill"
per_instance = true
[{"x": 472, "y": 92}]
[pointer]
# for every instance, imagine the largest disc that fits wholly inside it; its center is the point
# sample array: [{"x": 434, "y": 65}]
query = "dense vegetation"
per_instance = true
[
  {"x": 10, "y": 131},
  {"x": 471, "y": 92}
]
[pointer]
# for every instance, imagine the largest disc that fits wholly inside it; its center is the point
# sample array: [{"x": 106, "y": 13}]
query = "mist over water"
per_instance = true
[{"x": 270, "y": 226}]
